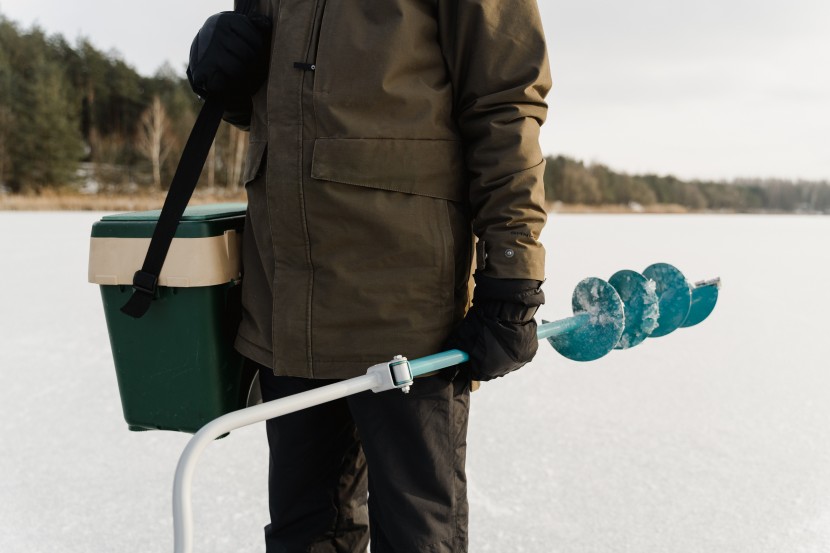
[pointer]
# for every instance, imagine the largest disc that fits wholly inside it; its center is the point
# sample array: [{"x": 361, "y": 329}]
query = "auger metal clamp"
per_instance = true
[{"x": 393, "y": 374}]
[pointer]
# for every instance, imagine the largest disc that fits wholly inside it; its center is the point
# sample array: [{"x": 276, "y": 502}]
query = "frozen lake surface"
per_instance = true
[{"x": 712, "y": 439}]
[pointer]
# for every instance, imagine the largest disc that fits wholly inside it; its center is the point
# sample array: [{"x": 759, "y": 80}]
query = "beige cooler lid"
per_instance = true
[{"x": 190, "y": 262}]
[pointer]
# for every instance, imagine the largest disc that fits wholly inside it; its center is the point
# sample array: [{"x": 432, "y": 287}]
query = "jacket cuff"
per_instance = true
[
  {"x": 523, "y": 291},
  {"x": 239, "y": 114},
  {"x": 514, "y": 257}
]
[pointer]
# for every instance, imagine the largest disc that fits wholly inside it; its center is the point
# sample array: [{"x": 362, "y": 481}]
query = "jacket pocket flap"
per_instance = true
[
  {"x": 253, "y": 163},
  {"x": 424, "y": 167}
]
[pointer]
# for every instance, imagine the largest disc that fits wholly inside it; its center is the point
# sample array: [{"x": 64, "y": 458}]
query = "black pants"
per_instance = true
[{"x": 405, "y": 451}]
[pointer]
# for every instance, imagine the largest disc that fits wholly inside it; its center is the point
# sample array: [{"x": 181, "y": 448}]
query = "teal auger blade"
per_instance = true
[
  {"x": 640, "y": 302},
  {"x": 599, "y": 310},
  {"x": 654, "y": 303},
  {"x": 675, "y": 297},
  {"x": 704, "y": 298}
]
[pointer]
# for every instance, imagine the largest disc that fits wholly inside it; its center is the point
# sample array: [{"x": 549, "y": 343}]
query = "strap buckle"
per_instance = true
[{"x": 145, "y": 282}]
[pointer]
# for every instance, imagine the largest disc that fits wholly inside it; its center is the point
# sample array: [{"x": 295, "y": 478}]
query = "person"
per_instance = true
[{"x": 393, "y": 149}]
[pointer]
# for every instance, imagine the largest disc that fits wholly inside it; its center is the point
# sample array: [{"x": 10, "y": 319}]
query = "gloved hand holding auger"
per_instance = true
[{"x": 499, "y": 331}]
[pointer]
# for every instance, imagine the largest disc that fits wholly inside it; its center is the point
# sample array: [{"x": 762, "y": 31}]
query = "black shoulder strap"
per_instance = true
[
  {"x": 184, "y": 182},
  {"x": 145, "y": 281}
]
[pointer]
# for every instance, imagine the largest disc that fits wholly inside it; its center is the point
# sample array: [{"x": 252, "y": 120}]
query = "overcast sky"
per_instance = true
[{"x": 711, "y": 89}]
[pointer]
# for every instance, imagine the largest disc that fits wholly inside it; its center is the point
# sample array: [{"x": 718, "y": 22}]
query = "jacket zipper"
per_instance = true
[
  {"x": 314, "y": 41},
  {"x": 308, "y": 67}
]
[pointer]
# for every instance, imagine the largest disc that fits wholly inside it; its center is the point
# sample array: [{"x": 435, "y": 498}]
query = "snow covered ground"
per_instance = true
[{"x": 712, "y": 439}]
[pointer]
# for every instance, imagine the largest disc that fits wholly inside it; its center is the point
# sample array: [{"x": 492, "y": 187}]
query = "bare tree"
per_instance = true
[
  {"x": 237, "y": 146},
  {"x": 155, "y": 139},
  {"x": 211, "y": 166}
]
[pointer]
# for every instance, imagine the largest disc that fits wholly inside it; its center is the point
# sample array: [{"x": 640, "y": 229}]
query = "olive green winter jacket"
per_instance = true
[{"x": 388, "y": 133}]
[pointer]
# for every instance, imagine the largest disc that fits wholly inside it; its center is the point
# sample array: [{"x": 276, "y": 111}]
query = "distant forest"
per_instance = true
[
  {"x": 572, "y": 182},
  {"x": 75, "y": 118},
  {"x": 72, "y": 116}
]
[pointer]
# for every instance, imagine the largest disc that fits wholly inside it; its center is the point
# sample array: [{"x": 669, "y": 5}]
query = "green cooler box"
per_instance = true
[{"x": 176, "y": 366}]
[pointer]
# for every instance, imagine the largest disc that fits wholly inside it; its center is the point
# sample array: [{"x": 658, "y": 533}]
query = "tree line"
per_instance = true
[
  {"x": 71, "y": 115},
  {"x": 571, "y": 181}
]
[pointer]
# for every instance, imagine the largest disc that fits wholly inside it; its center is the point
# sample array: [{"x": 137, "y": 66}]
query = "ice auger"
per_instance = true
[{"x": 616, "y": 314}]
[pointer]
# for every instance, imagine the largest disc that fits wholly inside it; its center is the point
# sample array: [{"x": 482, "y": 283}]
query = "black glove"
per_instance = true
[
  {"x": 499, "y": 332},
  {"x": 229, "y": 58}
]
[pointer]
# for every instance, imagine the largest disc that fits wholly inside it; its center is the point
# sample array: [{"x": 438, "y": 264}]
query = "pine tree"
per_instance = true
[{"x": 42, "y": 141}]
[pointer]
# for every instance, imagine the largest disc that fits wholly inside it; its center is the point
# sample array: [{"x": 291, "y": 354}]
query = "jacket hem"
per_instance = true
[{"x": 254, "y": 352}]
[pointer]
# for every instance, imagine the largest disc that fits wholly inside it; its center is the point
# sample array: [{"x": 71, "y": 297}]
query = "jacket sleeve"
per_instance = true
[{"x": 497, "y": 59}]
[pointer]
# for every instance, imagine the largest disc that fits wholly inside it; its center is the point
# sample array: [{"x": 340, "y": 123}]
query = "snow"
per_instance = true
[{"x": 711, "y": 439}]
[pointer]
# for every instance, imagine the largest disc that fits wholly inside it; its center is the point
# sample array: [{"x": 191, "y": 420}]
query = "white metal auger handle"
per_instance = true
[{"x": 379, "y": 378}]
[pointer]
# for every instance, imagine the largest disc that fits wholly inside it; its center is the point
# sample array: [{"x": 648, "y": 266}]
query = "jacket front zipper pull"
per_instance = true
[{"x": 304, "y": 66}]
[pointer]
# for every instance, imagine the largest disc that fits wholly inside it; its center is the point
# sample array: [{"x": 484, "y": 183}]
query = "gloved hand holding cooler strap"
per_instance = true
[
  {"x": 229, "y": 57},
  {"x": 499, "y": 332}
]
